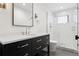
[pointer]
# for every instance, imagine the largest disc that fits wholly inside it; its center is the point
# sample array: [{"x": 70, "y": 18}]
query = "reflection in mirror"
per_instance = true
[
  {"x": 23, "y": 14},
  {"x": 2, "y": 5}
]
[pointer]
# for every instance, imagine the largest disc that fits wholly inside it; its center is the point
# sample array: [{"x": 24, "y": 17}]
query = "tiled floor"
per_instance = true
[{"x": 60, "y": 52}]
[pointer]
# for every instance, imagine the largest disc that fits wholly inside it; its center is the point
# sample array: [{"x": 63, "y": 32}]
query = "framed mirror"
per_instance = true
[{"x": 22, "y": 14}]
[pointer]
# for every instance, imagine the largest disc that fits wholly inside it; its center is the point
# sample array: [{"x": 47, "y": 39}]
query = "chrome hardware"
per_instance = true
[
  {"x": 23, "y": 46},
  {"x": 26, "y": 54},
  {"x": 38, "y": 47},
  {"x": 39, "y": 40}
]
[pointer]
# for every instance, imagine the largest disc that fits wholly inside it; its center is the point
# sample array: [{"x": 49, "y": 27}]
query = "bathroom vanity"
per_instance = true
[{"x": 25, "y": 45}]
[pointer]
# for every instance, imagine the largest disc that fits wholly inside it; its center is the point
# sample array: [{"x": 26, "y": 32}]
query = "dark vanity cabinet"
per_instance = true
[
  {"x": 19, "y": 48},
  {"x": 0, "y": 49},
  {"x": 36, "y": 46}
]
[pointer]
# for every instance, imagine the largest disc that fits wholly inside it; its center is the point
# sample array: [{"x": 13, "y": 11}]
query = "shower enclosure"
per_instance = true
[
  {"x": 78, "y": 28},
  {"x": 63, "y": 26}
]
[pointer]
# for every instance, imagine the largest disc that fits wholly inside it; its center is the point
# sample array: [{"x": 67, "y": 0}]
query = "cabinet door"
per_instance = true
[
  {"x": 14, "y": 48},
  {"x": 40, "y": 45},
  {"x": 27, "y": 47}
]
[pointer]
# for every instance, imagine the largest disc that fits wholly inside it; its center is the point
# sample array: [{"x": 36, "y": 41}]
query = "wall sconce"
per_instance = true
[
  {"x": 37, "y": 21},
  {"x": 2, "y": 5},
  {"x": 36, "y": 16}
]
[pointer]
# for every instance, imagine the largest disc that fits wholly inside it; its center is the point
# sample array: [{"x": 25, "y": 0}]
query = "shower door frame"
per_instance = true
[{"x": 78, "y": 28}]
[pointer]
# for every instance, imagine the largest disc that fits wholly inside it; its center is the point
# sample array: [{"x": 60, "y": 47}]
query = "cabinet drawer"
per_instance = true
[
  {"x": 43, "y": 39},
  {"x": 23, "y": 52},
  {"x": 12, "y": 48},
  {"x": 39, "y": 45}
]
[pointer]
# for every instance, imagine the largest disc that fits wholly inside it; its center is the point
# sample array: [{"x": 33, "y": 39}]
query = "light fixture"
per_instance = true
[
  {"x": 2, "y": 5},
  {"x": 23, "y": 4},
  {"x": 36, "y": 16}
]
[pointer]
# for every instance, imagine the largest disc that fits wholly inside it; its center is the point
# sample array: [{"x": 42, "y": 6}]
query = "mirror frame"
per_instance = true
[{"x": 21, "y": 25}]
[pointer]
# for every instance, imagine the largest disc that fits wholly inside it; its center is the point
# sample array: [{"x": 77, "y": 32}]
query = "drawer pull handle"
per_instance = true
[
  {"x": 23, "y": 46},
  {"x": 39, "y": 40},
  {"x": 26, "y": 54},
  {"x": 38, "y": 47}
]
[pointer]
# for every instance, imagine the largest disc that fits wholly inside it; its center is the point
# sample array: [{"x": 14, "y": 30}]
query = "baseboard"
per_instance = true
[{"x": 68, "y": 49}]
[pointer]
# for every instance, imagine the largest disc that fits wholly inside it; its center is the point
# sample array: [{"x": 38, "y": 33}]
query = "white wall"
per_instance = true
[
  {"x": 41, "y": 21},
  {"x": 50, "y": 25},
  {"x": 6, "y": 22},
  {"x": 65, "y": 33}
]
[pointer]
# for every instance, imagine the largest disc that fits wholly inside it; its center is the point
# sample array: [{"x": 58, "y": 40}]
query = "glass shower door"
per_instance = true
[
  {"x": 63, "y": 26},
  {"x": 78, "y": 28}
]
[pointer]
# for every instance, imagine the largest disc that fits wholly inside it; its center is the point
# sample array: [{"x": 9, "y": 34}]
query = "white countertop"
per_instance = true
[{"x": 14, "y": 38}]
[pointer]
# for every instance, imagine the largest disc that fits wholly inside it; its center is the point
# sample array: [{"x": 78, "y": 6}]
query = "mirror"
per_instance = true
[{"x": 22, "y": 14}]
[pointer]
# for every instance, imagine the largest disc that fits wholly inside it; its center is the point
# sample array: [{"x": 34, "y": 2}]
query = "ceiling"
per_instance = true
[
  {"x": 58, "y": 6},
  {"x": 48, "y": 6}
]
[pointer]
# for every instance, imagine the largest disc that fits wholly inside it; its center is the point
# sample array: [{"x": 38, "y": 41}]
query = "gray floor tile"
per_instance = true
[{"x": 60, "y": 52}]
